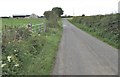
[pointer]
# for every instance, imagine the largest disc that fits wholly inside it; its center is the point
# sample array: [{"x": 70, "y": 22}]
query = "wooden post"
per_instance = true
[
  {"x": 30, "y": 27},
  {"x": 44, "y": 27}
]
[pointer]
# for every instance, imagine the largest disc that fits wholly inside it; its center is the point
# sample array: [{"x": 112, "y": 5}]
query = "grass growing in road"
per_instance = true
[
  {"x": 104, "y": 27},
  {"x": 27, "y": 52}
]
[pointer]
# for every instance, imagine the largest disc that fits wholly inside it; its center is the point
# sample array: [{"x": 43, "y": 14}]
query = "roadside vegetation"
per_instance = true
[
  {"x": 30, "y": 51},
  {"x": 104, "y": 27}
]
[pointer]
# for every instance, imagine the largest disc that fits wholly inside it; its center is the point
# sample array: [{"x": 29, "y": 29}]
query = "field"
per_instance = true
[
  {"x": 28, "y": 51},
  {"x": 104, "y": 27},
  {"x": 24, "y": 21}
]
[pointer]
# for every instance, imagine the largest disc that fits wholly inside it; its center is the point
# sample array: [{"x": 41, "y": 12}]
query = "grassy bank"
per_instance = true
[
  {"x": 27, "y": 52},
  {"x": 104, "y": 27}
]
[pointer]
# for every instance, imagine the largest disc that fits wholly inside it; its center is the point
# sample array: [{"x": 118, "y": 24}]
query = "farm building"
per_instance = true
[
  {"x": 5, "y": 17},
  {"x": 20, "y": 16},
  {"x": 25, "y": 16}
]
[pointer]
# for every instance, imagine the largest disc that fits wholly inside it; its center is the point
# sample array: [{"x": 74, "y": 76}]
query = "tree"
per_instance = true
[
  {"x": 50, "y": 15},
  {"x": 52, "y": 18},
  {"x": 58, "y": 11},
  {"x": 83, "y": 15},
  {"x": 47, "y": 14}
]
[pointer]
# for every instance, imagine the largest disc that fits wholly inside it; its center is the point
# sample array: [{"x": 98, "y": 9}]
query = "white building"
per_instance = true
[{"x": 33, "y": 16}]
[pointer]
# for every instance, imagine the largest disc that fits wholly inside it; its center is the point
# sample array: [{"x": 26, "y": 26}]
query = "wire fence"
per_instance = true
[{"x": 38, "y": 28}]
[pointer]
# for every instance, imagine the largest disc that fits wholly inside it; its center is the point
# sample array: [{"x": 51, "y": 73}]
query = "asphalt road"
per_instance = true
[{"x": 82, "y": 54}]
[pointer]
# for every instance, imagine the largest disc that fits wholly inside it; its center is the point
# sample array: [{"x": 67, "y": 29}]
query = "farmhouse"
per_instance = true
[{"x": 33, "y": 16}]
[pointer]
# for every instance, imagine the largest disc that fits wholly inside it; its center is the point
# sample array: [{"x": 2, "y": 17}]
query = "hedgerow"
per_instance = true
[{"x": 104, "y": 27}]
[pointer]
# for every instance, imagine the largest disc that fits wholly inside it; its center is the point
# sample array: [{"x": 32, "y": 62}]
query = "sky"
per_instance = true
[{"x": 70, "y": 7}]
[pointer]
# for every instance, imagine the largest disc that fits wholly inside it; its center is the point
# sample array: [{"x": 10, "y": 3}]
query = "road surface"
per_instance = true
[{"x": 82, "y": 54}]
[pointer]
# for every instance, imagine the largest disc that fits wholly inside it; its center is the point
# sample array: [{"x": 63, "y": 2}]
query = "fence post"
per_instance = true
[
  {"x": 39, "y": 28},
  {"x": 44, "y": 27},
  {"x": 30, "y": 27}
]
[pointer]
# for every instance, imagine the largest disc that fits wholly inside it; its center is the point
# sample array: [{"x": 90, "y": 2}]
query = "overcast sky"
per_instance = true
[{"x": 70, "y": 7}]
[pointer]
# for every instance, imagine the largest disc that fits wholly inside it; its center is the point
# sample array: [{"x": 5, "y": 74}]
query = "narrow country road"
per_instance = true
[{"x": 82, "y": 54}]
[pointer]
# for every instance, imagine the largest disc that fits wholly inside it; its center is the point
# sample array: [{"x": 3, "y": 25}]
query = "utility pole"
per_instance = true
[
  {"x": 119, "y": 7},
  {"x": 73, "y": 12}
]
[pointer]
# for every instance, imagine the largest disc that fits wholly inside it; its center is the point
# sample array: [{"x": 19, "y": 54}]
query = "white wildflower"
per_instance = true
[
  {"x": 38, "y": 34},
  {"x": 25, "y": 53},
  {"x": 20, "y": 37},
  {"x": 8, "y": 30},
  {"x": 15, "y": 50},
  {"x": 9, "y": 57},
  {"x": 3, "y": 65},
  {"x": 31, "y": 30},
  {"x": 15, "y": 31},
  {"x": 16, "y": 65},
  {"x": 16, "y": 54}
]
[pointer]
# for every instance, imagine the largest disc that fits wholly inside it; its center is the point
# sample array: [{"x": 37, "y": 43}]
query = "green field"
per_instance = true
[
  {"x": 104, "y": 27},
  {"x": 27, "y": 52},
  {"x": 21, "y": 21}
]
